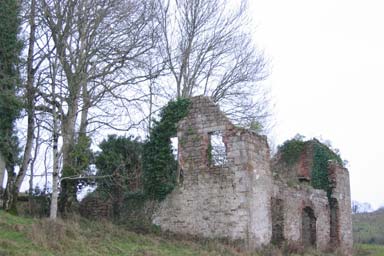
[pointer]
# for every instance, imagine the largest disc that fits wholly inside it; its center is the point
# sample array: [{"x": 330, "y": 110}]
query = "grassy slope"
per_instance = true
[
  {"x": 369, "y": 249},
  {"x": 369, "y": 227},
  {"x": 25, "y": 236}
]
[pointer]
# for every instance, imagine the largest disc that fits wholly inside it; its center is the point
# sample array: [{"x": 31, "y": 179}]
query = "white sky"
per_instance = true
[{"x": 327, "y": 60}]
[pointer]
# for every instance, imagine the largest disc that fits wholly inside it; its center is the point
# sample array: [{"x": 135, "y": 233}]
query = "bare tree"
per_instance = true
[
  {"x": 29, "y": 94},
  {"x": 55, "y": 138},
  {"x": 90, "y": 62},
  {"x": 100, "y": 47},
  {"x": 208, "y": 51}
]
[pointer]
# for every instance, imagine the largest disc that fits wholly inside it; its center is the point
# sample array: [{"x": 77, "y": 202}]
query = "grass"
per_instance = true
[
  {"x": 36, "y": 237},
  {"x": 369, "y": 227},
  {"x": 30, "y": 237},
  {"x": 14, "y": 239},
  {"x": 368, "y": 230},
  {"x": 369, "y": 249}
]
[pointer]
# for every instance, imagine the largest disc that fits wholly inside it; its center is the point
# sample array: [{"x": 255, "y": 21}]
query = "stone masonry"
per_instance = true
[{"x": 239, "y": 198}]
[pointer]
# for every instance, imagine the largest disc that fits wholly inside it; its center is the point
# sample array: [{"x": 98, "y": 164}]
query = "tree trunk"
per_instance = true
[
  {"x": 84, "y": 111},
  {"x": 32, "y": 166},
  {"x": 2, "y": 173},
  {"x": 9, "y": 202},
  {"x": 55, "y": 167},
  {"x": 68, "y": 187},
  {"x": 30, "y": 109},
  {"x": 150, "y": 106},
  {"x": 55, "y": 171}
]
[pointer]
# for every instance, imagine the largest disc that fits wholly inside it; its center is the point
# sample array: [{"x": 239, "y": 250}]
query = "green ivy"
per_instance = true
[
  {"x": 321, "y": 156},
  {"x": 209, "y": 153},
  {"x": 291, "y": 150},
  {"x": 159, "y": 165}
]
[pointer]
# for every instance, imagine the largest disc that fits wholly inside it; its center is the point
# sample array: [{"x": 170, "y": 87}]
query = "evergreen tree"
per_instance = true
[
  {"x": 121, "y": 159},
  {"x": 10, "y": 47}
]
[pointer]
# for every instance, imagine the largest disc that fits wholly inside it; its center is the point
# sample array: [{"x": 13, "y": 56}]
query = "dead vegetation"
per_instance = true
[{"x": 79, "y": 236}]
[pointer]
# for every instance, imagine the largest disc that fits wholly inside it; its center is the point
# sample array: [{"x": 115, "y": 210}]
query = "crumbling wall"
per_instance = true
[
  {"x": 95, "y": 208},
  {"x": 231, "y": 200},
  {"x": 293, "y": 185},
  {"x": 236, "y": 197},
  {"x": 341, "y": 195},
  {"x": 299, "y": 169},
  {"x": 277, "y": 211},
  {"x": 295, "y": 200}
]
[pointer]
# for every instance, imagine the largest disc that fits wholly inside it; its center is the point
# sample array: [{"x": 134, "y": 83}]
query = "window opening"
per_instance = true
[
  {"x": 217, "y": 150},
  {"x": 175, "y": 147}
]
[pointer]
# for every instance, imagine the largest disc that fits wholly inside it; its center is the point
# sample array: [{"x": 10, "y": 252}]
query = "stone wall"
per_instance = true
[
  {"x": 231, "y": 200},
  {"x": 332, "y": 212},
  {"x": 295, "y": 199},
  {"x": 95, "y": 208},
  {"x": 341, "y": 194},
  {"x": 238, "y": 198},
  {"x": 298, "y": 170}
]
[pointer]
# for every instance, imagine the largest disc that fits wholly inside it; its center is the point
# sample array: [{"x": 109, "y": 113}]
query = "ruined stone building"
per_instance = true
[{"x": 230, "y": 188}]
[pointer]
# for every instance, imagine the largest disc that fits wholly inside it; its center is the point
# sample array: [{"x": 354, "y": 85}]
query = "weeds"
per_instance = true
[{"x": 78, "y": 236}]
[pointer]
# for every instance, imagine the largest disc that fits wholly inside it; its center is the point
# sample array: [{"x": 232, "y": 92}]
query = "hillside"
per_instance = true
[
  {"x": 369, "y": 227},
  {"x": 25, "y": 236},
  {"x": 32, "y": 237}
]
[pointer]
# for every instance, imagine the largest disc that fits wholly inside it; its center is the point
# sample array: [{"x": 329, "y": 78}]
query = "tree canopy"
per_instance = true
[
  {"x": 119, "y": 166},
  {"x": 10, "y": 105},
  {"x": 121, "y": 159}
]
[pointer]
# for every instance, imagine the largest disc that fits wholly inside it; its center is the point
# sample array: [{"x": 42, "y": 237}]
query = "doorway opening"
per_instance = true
[{"x": 309, "y": 227}]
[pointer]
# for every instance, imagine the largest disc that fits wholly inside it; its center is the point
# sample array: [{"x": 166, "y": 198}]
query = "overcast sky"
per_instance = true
[{"x": 327, "y": 78}]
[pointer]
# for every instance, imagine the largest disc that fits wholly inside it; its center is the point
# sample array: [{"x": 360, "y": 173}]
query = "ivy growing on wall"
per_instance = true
[
  {"x": 159, "y": 165},
  {"x": 321, "y": 155},
  {"x": 292, "y": 149}
]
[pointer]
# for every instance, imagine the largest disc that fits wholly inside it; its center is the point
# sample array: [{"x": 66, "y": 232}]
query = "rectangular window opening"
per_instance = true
[
  {"x": 217, "y": 149},
  {"x": 175, "y": 147}
]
